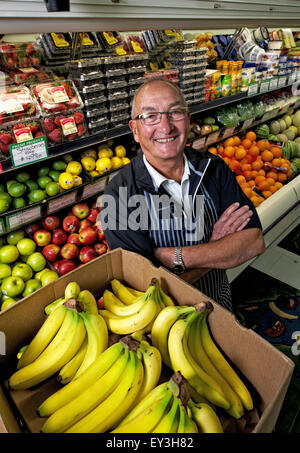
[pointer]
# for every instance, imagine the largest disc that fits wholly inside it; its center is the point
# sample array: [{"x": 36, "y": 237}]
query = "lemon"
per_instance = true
[
  {"x": 88, "y": 163},
  {"x": 93, "y": 173},
  {"x": 120, "y": 151},
  {"x": 74, "y": 167},
  {"x": 105, "y": 152},
  {"x": 66, "y": 180},
  {"x": 116, "y": 162},
  {"x": 68, "y": 158},
  {"x": 89, "y": 153},
  {"x": 103, "y": 164},
  {"x": 103, "y": 145},
  {"x": 125, "y": 160},
  {"x": 77, "y": 180}
]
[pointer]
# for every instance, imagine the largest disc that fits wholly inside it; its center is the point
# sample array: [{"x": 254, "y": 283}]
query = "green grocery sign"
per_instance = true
[{"x": 28, "y": 151}]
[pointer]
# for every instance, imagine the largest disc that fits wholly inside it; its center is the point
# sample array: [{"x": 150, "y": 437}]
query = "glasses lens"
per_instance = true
[
  {"x": 176, "y": 115},
  {"x": 155, "y": 117},
  {"x": 151, "y": 118}
]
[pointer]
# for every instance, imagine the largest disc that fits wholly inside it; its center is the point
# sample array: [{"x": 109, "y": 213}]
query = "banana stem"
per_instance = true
[
  {"x": 179, "y": 387},
  {"x": 204, "y": 307},
  {"x": 130, "y": 343}
]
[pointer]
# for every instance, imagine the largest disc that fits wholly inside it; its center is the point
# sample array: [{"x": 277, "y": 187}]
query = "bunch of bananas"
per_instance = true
[
  {"x": 182, "y": 335},
  {"x": 70, "y": 339},
  {"x": 127, "y": 310},
  {"x": 168, "y": 408},
  {"x": 106, "y": 391}
]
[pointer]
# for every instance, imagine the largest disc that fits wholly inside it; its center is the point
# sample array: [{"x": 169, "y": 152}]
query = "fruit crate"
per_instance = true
[
  {"x": 17, "y": 104},
  {"x": 19, "y": 55},
  {"x": 62, "y": 128}
]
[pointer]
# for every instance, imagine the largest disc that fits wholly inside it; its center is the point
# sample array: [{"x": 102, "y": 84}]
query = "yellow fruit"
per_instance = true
[
  {"x": 93, "y": 173},
  {"x": 77, "y": 180},
  {"x": 103, "y": 165},
  {"x": 89, "y": 153},
  {"x": 105, "y": 152},
  {"x": 103, "y": 145},
  {"x": 88, "y": 163},
  {"x": 74, "y": 167},
  {"x": 68, "y": 158},
  {"x": 120, "y": 151},
  {"x": 116, "y": 162},
  {"x": 66, "y": 180},
  {"x": 125, "y": 160}
]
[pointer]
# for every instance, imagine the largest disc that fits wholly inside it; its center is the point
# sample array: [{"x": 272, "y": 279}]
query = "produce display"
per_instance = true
[
  {"x": 16, "y": 104},
  {"x": 19, "y": 55},
  {"x": 98, "y": 162},
  {"x": 58, "y": 96}
]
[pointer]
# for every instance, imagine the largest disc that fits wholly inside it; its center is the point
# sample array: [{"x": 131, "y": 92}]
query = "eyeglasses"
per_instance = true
[{"x": 151, "y": 118}]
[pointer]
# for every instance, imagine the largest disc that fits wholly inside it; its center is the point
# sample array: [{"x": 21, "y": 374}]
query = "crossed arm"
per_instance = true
[{"x": 230, "y": 245}]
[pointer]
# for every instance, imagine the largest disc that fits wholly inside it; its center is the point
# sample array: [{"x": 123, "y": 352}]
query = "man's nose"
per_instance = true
[{"x": 165, "y": 123}]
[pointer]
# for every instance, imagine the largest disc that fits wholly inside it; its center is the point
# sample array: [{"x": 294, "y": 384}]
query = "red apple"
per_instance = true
[
  {"x": 73, "y": 238},
  {"x": 93, "y": 214},
  {"x": 71, "y": 223},
  {"x": 65, "y": 266},
  {"x": 59, "y": 236},
  {"x": 85, "y": 224},
  {"x": 93, "y": 205},
  {"x": 69, "y": 251},
  {"x": 42, "y": 237},
  {"x": 81, "y": 210},
  {"x": 55, "y": 265},
  {"x": 100, "y": 248},
  {"x": 51, "y": 252},
  {"x": 31, "y": 229},
  {"x": 88, "y": 236},
  {"x": 51, "y": 222},
  {"x": 87, "y": 253},
  {"x": 98, "y": 227},
  {"x": 106, "y": 243}
]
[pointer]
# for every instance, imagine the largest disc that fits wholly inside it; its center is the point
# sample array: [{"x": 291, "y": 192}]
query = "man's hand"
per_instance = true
[{"x": 232, "y": 220}]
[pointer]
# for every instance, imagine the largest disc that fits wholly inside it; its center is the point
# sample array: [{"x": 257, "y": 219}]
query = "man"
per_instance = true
[{"x": 181, "y": 208}]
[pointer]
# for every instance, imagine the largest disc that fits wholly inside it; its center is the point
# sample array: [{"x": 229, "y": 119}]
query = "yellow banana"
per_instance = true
[
  {"x": 44, "y": 367},
  {"x": 186, "y": 424},
  {"x": 151, "y": 359},
  {"x": 126, "y": 310},
  {"x": 199, "y": 355},
  {"x": 69, "y": 370},
  {"x": 122, "y": 292},
  {"x": 135, "y": 292},
  {"x": 44, "y": 336},
  {"x": 280, "y": 312},
  {"x": 88, "y": 399},
  {"x": 21, "y": 351},
  {"x": 109, "y": 413},
  {"x": 205, "y": 418},
  {"x": 222, "y": 365},
  {"x": 182, "y": 361},
  {"x": 95, "y": 371},
  {"x": 53, "y": 305},
  {"x": 162, "y": 325},
  {"x": 166, "y": 300},
  {"x": 97, "y": 339},
  {"x": 169, "y": 423},
  {"x": 149, "y": 418},
  {"x": 88, "y": 301},
  {"x": 72, "y": 290},
  {"x": 109, "y": 297}
]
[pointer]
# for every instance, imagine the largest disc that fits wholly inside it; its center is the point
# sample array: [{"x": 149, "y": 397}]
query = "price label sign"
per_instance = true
[
  {"x": 247, "y": 124},
  {"x": 199, "y": 143},
  {"x": 61, "y": 202},
  {"x": 264, "y": 86},
  {"x": 291, "y": 78},
  {"x": 273, "y": 83},
  {"x": 253, "y": 89},
  {"x": 28, "y": 151},
  {"x": 20, "y": 218},
  {"x": 282, "y": 82},
  {"x": 228, "y": 132},
  {"x": 212, "y": 138},
  {"x": 94, "y": 187},
  {"x": 2, "y": 227}
]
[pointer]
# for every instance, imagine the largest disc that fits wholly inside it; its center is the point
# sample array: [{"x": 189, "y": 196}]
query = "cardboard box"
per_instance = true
[{"x": 266, "y": 369}]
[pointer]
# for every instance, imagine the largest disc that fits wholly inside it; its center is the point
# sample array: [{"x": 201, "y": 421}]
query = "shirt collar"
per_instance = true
[{"x": 158, "y": 179}]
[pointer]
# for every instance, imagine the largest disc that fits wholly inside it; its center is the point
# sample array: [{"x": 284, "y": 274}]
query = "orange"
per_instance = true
[
  {"x": 289, "y": 173},
  {"x": 282, "y": 177},
  {"x": 244, "y": 185},
  {"x": 267, "y": 193},
  {"x": 240, "y": 153},
  {"x": 229, "y": 151},
  {"x": 263, "y": 145},
  {"x": 248, "y": 192},
  {"x": 267, "y": 156},
  {"x": 251, "y": 182},
  {"x": 248, "y": 175},
  {"x": 259, "y": 179},
  {"x": 253, "y": 150},
  {"x": 229, "y": 141},
  {"x": 277, "y": 152},
  {"x": 278, "y": 185},
  {"x": 273, "y": 189},
  {"x": 251, "y": 136},
  {"x": 256, "y": 200},
  {"x": 226, "y": 160},
  {"x": 246, "y": 143},
  {"x": 240, "y": 179},
  {"x": 272, "y": 174},
  {"x": 263, "y": 185},
  {"x": 270, "y": 181},
  {"x": 221, "y": 149},
  {"x": 276, "y": 162},
  {"x": 254, "y": 174},
  {"x": 261, "y": 172},
  {"x": 246, "y": 167},
  {"x": 257, "y": 164},
  {"x": 237, "y": 140},
  {"x": 213, "y": 150}
]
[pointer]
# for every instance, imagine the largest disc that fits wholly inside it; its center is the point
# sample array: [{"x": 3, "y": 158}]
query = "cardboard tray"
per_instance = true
[{"x": 265, "y": 370}]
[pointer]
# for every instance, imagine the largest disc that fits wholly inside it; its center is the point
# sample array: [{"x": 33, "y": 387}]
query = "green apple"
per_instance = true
[
  {"x": 26, "y": 246},
  {"x": 5, "y": 271},
  {"x": 39, "y": 274},
  {"x": 37, "y": 261},
  {"x": 31, "y": 286},
  {"x": 22, "y": 270},
  {"x": 15, "y": 236},
  {"x": 9, "y": 254},
  {"x": 12, "y": 286},
  {"x": 8, "y": 302},
  {"x": 49, "y": 277}
]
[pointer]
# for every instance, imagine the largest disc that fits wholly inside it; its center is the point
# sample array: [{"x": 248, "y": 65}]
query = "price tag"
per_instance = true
[
  {"x": 282, "y": 81},
  {"x": 94, "y": 187},
  {"x": 253, "y": 89},
  {"x": 199, "y": 143},
  {"x": 247, "y": 124},
  {"x": 264, "y": 86},
  {"x": 20, "y": 218},
  {"x": 228, "y": 132},
  {"x": 29, "y": 151},
  {"x": 273, "y": 83},
  {"x": 61, "y": 202},
  {"x": 291, "y": 79},
  {"x": 212, "y": 138},
  {"x": 2, "y": 227}
]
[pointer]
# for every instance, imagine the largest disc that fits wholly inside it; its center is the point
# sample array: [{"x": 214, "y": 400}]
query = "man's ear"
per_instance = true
[{"x": 132, "y": 125}]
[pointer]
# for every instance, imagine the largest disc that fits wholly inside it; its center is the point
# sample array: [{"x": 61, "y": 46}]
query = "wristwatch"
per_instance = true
[{"x": 178, "y": 265}]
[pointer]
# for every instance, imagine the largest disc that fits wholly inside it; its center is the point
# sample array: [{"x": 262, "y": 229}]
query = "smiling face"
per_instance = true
[{"x": 165, "y": 140}]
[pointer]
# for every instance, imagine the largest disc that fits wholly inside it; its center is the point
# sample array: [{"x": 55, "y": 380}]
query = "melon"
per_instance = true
[
  {"x": 294, "y": 129},
  {"x": 282, "y": 125},
  {"x": 296, "y": 118},
  {"x": 282, "y": 138},
  {"x": 290, "y": 134},
  {"x": 297, "y": 140},
  {"x": 275, "y": 127},
  {"x": 288, "y": 120}
]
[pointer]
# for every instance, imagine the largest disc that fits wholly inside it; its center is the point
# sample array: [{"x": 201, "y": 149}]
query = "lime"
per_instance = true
[
  {"x": 43, "y": 171},
  {"x": 5, "y": 196},
  {"x": 54, "y": 175},
  {"x": 9, "y": 182},
  {"x": 52, "y": 188},
  {"x": 32, "y": 185},
  {"x": 4, "y": 205},
  {"x": 17, "y": 189},
  {"x": 37, "y": 195},
  {"x": 19, "y": 202},
  {"x": 2, "y": 188},
  {"x": 43, "y": 181},
  {"x": 23, "y": 176},
  {"x": 59, "y": 165},
  {"x": 68, "y": 158}
]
